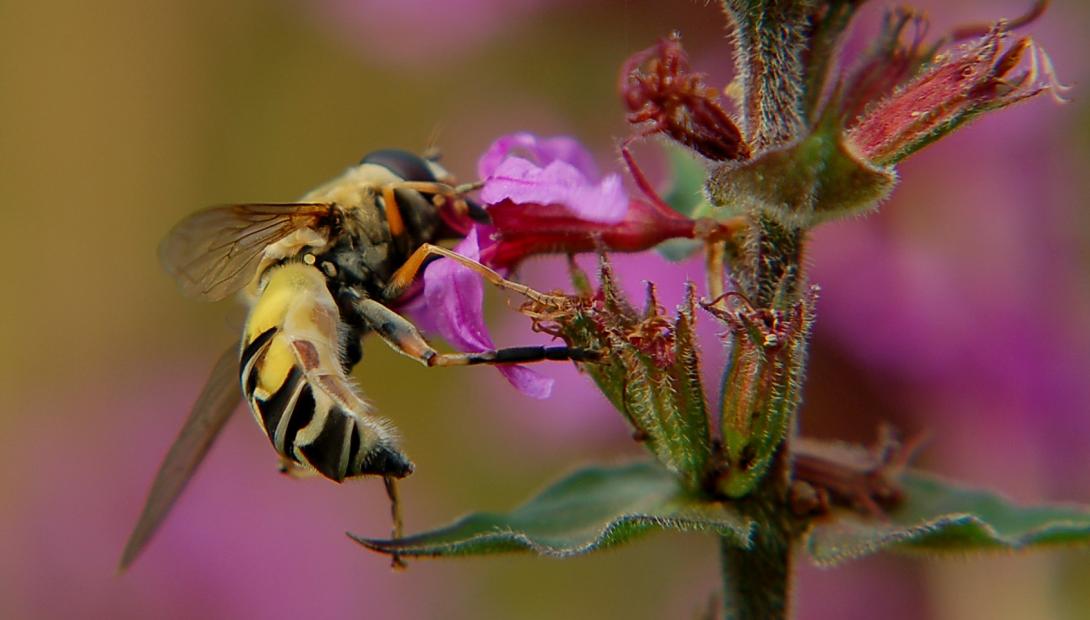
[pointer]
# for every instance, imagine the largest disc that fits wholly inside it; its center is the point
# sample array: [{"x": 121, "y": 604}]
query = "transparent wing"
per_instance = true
[
  {"x": 215, "y": 252},
  {"x": 219, "y": 399}
]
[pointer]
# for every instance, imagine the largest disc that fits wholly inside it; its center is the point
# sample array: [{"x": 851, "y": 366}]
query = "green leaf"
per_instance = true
[
  {"x": 677, "y": 250},
  {"x": 592, "y": 509},
  {"x": 938, "y": 516},
  {"x": 686, "y": 196}
]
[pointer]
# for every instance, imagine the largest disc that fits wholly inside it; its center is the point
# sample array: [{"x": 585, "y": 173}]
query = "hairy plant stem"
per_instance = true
[
  {"x": 757, "y": 579},
  {"x": 769, "y": 39},
  {"x": 762, "y": 383},
  {"x": 771, "y": 274}
]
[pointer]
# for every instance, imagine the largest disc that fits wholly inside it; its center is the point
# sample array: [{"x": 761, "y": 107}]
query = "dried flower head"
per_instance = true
[{"x": 661, "y": 91}]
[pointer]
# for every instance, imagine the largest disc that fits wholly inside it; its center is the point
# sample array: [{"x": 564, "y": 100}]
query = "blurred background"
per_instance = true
[{"x": 962, "y": 310}]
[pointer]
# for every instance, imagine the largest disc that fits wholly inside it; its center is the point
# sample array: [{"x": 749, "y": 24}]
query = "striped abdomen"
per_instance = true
[{"x": 293, "y": 380}]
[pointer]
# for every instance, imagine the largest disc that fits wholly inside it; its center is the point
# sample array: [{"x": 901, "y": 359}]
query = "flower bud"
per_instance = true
[{"x": 956, "y": 89}]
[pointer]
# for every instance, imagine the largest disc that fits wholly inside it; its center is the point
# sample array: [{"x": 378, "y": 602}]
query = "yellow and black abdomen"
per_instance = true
[{"x": 292, "y": 376}]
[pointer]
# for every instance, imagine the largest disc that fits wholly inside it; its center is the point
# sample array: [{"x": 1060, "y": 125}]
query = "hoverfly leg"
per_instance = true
[
  {"x": 405, "y": 274},
  {"x": 393, "y": 212},
  {"x": 517, "y": 355},
  {"x": 397, "y": 529},
  {"x": 426, "y": 187},
  {"x": 442, "y": 193},
  {"x": 405, "y": 338},
  {"x": 395, "y": 330}
]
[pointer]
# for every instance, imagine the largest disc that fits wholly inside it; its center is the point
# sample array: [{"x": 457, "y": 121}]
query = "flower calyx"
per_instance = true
[
  {"x": 649, "y": 368},
  {"x": 762, "y": 386},
  {"x": 953, "y": 89},
  {"x": 807, "y": 182}
]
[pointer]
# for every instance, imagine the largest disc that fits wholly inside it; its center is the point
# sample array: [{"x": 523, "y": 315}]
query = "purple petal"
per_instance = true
[
  {"x": 414, "y": 307},
  {"x": 455, "y": 295},
  {"x": 528, "y": 381},
  {"x": 542, "y": 151},
  {"x": 522, "y": 182}
]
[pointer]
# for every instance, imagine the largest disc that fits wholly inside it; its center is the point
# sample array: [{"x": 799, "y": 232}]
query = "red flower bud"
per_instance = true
[{"x": 956, "y": 89}]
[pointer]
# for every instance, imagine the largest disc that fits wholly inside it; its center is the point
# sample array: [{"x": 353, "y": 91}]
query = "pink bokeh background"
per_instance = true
[{"x": 960, "y": 310}]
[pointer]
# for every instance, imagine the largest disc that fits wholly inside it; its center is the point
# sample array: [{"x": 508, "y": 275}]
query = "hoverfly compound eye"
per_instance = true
[{"x": 408, "y": 166}]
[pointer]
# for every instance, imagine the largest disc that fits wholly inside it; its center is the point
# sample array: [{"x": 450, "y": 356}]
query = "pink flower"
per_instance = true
[
  {"x": 544, "y": 195},
  {"x": 554, "y": 171}
]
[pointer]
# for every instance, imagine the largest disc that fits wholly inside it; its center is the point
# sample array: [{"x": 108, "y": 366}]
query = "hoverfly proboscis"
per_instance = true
[{"x": 318, "y": 275}]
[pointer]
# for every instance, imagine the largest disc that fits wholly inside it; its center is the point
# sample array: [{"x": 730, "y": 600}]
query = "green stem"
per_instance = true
[
  {"x": 760, "y": 399},
  {"x": 757, "y": 579},
  {"x": 762, "y": 383},
  {"x": 773, "y": 275},
  {"x": 769, "y": 44}
]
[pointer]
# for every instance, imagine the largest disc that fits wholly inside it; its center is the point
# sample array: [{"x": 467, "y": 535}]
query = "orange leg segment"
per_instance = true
[
  {"x": 393, "y": 212},
  {"x": 405, "y": 275}
]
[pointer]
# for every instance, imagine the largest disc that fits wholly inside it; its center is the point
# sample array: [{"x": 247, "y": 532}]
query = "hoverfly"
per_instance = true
[{"x": 318, "y": 275}]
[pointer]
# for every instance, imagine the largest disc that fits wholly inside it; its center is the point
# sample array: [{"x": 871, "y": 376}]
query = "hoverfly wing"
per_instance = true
[
  {"x": 215, "y": 252},
  {"x": 219, "y": 399}
]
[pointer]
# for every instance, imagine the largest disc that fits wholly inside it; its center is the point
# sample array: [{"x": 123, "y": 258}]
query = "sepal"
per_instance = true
[
  {"x": 762, "y": 386},
  {"x": 649, "y": 369}
]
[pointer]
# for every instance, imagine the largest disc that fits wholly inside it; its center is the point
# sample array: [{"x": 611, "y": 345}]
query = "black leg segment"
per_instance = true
[{"x": 521, "y": 355}]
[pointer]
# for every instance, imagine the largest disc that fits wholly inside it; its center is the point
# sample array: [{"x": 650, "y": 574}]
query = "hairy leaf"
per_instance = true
[
  {"x": 591, "y": 509},
  {"x": 937, "y": 516},
  {"x": 686, "y": 193}
]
